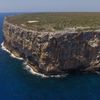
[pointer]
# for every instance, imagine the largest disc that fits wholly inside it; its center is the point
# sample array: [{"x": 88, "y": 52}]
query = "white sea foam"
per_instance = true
[
  {"x": 11, "y": 54},
  {"x": 97, "y": 72},
  {"x": 28, "y": 68},
  {"x": 19, "y": 58},
  {"x": 3, "y": 47}
]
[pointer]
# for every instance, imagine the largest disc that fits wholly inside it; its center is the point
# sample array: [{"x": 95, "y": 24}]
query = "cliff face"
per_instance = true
[{"x": 54, "y": 52}]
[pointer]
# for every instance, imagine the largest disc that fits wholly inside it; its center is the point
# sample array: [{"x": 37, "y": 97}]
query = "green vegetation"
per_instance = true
[{"x": 56, "y": 21}]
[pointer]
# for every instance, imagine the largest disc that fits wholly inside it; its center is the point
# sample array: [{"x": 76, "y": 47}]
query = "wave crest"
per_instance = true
[
  {"x": 28, "y": 68},
  {"x": 11, "y": 54}
]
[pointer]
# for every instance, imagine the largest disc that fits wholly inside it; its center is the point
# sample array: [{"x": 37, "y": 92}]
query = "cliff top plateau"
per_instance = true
[{"x": 57, "y": 21}]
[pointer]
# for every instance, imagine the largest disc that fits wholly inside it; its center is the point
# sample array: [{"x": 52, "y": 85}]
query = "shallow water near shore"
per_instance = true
[{"x": 16, "y": 83}]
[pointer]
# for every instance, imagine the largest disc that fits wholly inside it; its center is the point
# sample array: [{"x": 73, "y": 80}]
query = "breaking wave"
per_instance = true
[
  {"x": 28, "y": 68},
  {"x": 11, "y": 54}
]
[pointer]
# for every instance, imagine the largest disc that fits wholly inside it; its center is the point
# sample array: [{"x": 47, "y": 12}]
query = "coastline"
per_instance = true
[
  {"x": 28, "y": 68},
  {"x": 11, "y": 54}
]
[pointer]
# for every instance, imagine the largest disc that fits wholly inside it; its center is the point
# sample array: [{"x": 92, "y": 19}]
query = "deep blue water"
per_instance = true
[{"x": 18, "y": 84}]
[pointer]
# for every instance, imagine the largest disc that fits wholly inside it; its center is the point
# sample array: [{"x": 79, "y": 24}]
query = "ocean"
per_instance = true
[{"x": 17, "y": 83}]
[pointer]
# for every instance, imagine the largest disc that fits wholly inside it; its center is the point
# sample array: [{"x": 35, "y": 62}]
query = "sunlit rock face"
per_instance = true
[{"x": 54, "y": 52}]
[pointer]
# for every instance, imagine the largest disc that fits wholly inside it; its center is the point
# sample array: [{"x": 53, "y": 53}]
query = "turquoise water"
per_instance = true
[{"x": 18, "y": 84}]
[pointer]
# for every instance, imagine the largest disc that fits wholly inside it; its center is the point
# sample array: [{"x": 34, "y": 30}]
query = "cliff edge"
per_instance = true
[{"x": 54, "y": 50}]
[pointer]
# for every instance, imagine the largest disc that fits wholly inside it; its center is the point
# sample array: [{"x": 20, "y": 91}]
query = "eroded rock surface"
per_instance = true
[{"x": 54, "y": 52}]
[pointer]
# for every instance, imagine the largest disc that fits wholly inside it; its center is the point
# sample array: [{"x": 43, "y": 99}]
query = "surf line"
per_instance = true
[{"x": 28, "y": 68}]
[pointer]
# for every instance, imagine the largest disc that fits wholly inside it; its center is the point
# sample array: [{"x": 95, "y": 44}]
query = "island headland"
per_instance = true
[{"x": 55, "y": 43}]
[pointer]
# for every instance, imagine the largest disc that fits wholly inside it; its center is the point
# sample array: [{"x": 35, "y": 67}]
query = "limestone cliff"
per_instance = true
[{"x": 57, "y": 52}]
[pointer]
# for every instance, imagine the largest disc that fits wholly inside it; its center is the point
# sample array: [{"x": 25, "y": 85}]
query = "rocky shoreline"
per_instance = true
[
  {"x": 29, "y": 67},
  {"x": 54, "y": 53}
]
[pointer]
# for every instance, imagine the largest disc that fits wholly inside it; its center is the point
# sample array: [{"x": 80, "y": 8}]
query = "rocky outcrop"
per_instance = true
[{"x": 54, "y": 52}]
